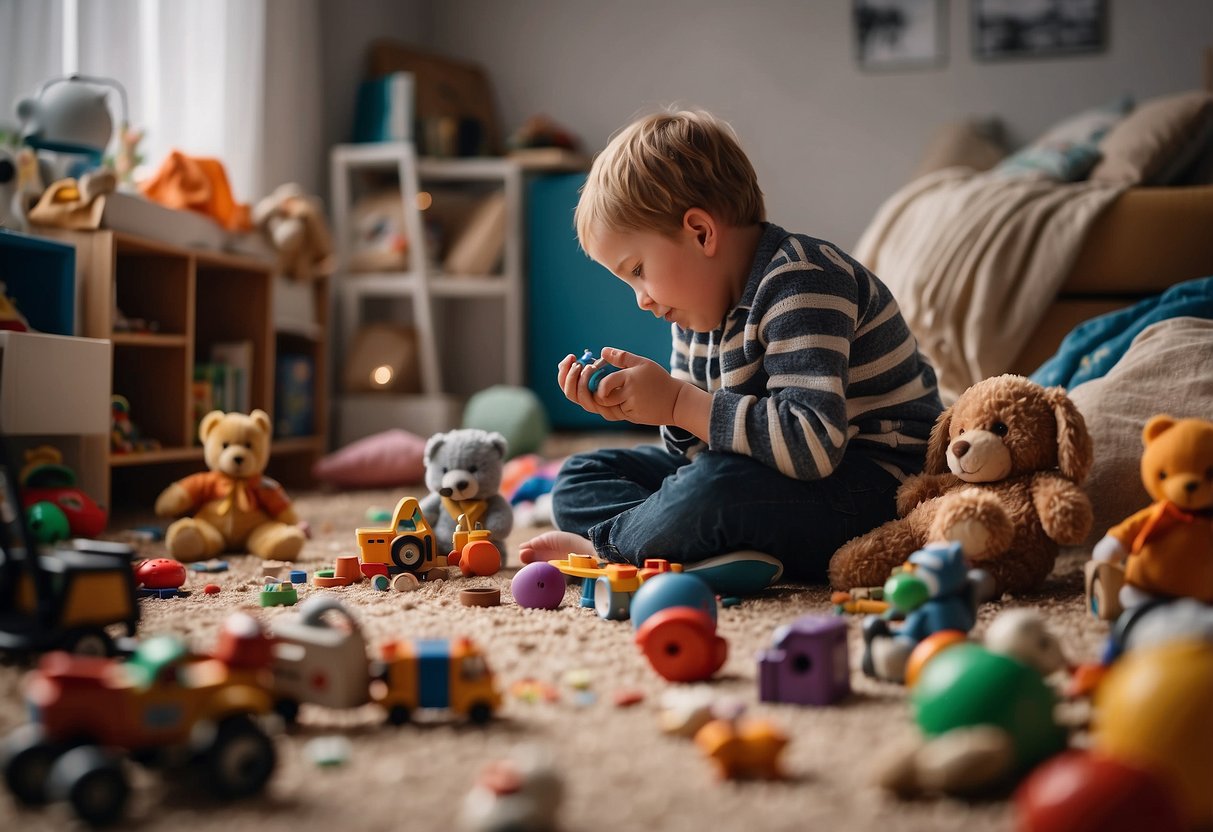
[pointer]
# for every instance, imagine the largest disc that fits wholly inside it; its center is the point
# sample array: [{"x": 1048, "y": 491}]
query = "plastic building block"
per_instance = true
[
  {"x": 381, "y": 583},
  {"x": 169, "y": 592},
  {"x": 807, "y": 663},
  {"x": 279, "y": 595},
  {"x": 210, "y": 566},
  {"x": 298, "y": 576}
]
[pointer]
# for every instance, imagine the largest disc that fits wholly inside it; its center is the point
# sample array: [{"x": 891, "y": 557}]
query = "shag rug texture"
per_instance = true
[{"x": 620, "y": 771}]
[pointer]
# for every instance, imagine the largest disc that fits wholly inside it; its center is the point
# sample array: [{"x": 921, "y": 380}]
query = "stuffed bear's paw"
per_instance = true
[
  {"x": 976, "y": 520},
  {"x": 276, "y": 541},
  {"x": 187, "y": 540}
]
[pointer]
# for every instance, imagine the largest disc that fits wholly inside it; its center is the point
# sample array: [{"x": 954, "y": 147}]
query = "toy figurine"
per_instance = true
[
  {"x": 938, "y": 592},
  {"x": 463, "y": 472},
  {"x": 599, "y": 369},
  {"x": 1168, "y": 546}
]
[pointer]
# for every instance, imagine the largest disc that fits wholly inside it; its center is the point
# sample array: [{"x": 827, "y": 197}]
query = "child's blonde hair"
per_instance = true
[{"x": 657, "y": 167}]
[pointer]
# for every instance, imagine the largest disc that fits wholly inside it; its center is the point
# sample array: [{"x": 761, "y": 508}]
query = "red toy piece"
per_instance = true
[
  {"x": 160, "y": 573},
  {"x": 681, "y": 644},
  {"x": 1083, "y": 792}
]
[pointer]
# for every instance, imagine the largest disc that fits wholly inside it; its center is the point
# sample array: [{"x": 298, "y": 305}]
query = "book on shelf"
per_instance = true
[
  {"x": 383, "y": 110},
  {"x": 294, "y": 396},
  {"x": 478, "y": 248},
  {"x": 237, "y": 359}
]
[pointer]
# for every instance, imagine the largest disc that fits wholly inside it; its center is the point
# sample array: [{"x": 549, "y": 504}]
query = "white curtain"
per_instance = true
[{"x": 197, "y": 73}]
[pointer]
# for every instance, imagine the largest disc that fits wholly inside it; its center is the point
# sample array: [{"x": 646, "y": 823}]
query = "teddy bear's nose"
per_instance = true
[
  {"x": 960, "y": 448},
  {"x": 238, "y": 459},
  {"x": 1190, "y": 486}
]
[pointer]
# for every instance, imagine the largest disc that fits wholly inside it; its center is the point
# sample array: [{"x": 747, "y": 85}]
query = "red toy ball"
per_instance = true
[
  {"x": 161, "y": 573},
  {"x": 1083, "y": 792}
]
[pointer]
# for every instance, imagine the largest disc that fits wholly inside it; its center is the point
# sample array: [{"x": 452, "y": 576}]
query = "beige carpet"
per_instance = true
[{"x": 621, "y": 772}]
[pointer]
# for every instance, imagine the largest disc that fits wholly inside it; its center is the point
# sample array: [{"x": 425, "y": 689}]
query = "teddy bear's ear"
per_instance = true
[
  {"x": 431, "y": 448},
  {"x": 262, "y": 420},
  {"x": 1075, "y": 451},
  {"x": 937, "y": 445},
  {"x": 1155, "y": 427},
  {"x": 499, "y": 442},
  {"x": 208, "y": 424}
]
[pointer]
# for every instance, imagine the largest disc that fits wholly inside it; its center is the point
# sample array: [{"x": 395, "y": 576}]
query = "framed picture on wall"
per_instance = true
[
  {"x": 1008, "y": 29},
  {"x": 900, "y": 34}
]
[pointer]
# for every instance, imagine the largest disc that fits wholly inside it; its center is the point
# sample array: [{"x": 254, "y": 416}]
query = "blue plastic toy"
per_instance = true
[
  {"x": 599, "y": 369},
  {"x": 672, "y": 589},
  {"x": 938, "y": 592}
]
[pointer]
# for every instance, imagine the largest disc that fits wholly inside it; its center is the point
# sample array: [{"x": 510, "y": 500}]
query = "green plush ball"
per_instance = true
[{"x": 514, "y": 412}]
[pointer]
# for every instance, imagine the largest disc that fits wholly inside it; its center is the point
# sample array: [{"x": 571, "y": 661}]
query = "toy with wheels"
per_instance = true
[
  {"x": 608, "y": 588},
  {"x": 472, "y": 550},
  {"x": 408, "y": 545},
  {"x": 681, "y": 644}
]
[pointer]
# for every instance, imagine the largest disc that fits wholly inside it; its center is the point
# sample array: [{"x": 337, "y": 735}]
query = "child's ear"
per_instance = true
[{"x": 702, "y": 225}]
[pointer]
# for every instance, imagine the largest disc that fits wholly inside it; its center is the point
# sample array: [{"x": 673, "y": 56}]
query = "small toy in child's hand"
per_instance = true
[{"x": 599, "y": 369}]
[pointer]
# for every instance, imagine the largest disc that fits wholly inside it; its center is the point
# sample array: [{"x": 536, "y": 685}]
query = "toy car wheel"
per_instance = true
[
  {"x": 288, "y": 709},
  {"x": 28, "y": 759},
  {"x": 93, "y": 782},
  {"x": 611, "y": 603},
  {"x": 89, "y": 643},
  {"x": 408, "y": 552},
  {"x": 399, "y": 715},
  {"x": 480, "y": 713},
  {"x": 240, "y": 760}
]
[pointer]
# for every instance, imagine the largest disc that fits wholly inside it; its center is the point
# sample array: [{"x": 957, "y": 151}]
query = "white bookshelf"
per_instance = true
[{"x": 430, "y": 292}]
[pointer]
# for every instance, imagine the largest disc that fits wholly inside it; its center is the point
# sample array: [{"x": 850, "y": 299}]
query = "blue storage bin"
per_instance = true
[{"x": 40, "y": 278}]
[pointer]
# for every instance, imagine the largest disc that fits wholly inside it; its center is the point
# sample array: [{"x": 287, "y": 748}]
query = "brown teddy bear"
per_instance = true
[
  {"x": 1169, "y": 544},
  {"x": 1002, "y": 476},
  {"x": 234, "y": 505},
  {"x": 294, "y": 223}
]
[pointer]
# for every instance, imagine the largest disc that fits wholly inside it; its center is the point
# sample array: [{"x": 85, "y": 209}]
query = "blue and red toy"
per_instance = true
[{"x": 936, "y": 591}]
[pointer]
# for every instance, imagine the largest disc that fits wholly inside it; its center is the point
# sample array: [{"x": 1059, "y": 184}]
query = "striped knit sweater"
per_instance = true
[{"x": 814, "y": 360}]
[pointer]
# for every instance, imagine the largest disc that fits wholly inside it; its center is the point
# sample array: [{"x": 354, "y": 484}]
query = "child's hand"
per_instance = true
[{"x": 640, "y": 391}]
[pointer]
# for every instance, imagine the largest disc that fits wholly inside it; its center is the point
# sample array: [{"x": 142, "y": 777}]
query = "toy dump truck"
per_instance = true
[
  {"x": 320, "y": 657},
  {"x": 162, "y": 707},
  {"x": 59, "y": 598},
  {"x": 408, "y": 545}
]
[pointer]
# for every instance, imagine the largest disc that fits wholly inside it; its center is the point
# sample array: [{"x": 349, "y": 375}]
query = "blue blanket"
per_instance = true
[{"x": 1094, "y": 346}]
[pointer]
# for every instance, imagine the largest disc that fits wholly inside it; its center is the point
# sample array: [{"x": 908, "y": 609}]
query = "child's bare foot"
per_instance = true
[{"x": 554, "y": 546}]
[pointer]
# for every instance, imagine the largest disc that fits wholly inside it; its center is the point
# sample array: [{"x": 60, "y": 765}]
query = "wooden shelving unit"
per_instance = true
[{"x": 196, "y": 299}]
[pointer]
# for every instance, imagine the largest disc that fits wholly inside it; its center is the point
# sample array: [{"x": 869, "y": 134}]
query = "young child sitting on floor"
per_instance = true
[{"x": 797, "y": 400}]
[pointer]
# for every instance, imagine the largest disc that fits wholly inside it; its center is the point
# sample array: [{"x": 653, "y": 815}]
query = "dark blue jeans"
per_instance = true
[{"x": 634, "y": 503}]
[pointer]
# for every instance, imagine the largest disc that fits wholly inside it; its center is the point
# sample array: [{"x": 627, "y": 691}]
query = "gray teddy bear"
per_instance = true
[{"x": 463, "y": 472}]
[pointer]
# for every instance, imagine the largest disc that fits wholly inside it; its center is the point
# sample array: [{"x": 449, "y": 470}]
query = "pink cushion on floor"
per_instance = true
[{"x": 393, "y": 457}]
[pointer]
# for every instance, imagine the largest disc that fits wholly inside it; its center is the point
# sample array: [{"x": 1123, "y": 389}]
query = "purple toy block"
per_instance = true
[{"x": 807, "y": 663}]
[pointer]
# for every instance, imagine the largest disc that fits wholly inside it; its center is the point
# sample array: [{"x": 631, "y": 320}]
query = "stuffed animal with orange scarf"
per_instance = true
[
  {"x": 234, "y": 507},
  {"x": 1167, "y": 547}
]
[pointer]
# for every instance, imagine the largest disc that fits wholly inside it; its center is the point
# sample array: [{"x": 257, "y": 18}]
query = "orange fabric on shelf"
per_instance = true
[{"x": 197, "y": 184}]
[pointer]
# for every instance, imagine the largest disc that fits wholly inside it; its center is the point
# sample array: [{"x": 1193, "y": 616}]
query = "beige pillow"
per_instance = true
[
  {"x": 971, "y": 143},
  {"x": 1158, "y": 141},
  {"x": 1165, "y": 370}
]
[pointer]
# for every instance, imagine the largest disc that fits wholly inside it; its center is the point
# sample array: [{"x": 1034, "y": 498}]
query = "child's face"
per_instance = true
[{"x": 675, "y": 278}]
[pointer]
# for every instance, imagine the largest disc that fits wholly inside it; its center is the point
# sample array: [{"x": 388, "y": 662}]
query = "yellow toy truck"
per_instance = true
[{"x": 408, "y": 545}]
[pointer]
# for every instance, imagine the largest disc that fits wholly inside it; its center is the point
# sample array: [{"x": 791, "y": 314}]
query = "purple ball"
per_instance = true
[{"x": 538, "y": 586}]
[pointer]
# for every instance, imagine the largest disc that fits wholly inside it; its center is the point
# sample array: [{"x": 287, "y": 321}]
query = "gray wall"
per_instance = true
[{"x": 829, "y": 141}]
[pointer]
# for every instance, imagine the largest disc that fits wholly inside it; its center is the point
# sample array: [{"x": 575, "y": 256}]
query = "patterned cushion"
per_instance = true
[{"x": 1069, "y": 150}]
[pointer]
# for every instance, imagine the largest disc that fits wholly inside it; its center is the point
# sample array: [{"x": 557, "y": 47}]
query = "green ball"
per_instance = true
[
  {"x": 47, "y": 522},
  {"x": 967, "y": 685},
  {"x": 906, "y": 591}
]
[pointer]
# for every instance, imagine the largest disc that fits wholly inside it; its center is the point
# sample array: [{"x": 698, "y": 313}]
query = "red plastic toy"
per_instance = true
[
  {"x": 681, "y": 644},
  {"x": 160, "y": 573}
]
